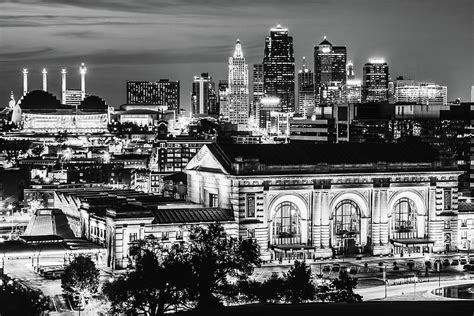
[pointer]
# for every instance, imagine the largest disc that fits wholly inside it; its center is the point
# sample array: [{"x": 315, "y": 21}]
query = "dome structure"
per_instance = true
[
  {"x": 49, "y": 222},
  {"x": 40, "y": 100},
  {"x": 93, "y": 103}
]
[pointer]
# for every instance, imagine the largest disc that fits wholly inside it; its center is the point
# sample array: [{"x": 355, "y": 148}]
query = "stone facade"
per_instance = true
[{"x": 391, "y": 212}]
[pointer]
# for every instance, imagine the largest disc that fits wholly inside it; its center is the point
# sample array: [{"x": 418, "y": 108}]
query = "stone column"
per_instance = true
[
  {"x": 384, "y": 216},
  {"x": 317, "y": 219},
  {"x": 325, "y": 214}
]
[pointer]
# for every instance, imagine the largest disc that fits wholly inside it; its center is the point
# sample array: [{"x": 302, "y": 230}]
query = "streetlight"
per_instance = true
[
  {"x": 385, "y": 279},
  {"x": 10, "y": 208},
  {"x": 427, "y": 260},
  {"x": 439, "y": 273},
  {"x": 415, "y": 278}
]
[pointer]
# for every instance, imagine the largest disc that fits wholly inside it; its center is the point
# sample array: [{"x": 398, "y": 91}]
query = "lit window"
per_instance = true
[
  {"x": 250, "y": 205},
  {"x": 132, "y": 237},
  {"x": 405, "y": 215},
  {"x": 165, "y": 236},
  {"x": 251, "y": 233},
  {"x": 179, "y": 235},
  {"x": 447, "y": 199},
  {"x": 213, "y": 200}
]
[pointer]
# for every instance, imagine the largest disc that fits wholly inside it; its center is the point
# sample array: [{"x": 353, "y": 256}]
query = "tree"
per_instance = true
[
  {"x": 159, "y": 282},
  {"x": 37, "y": 150},
  {"x": 299, "y": 283},
  {"x": 81, "y": 277},
  {"x": 217, "y": 258},
  {"x": 17, "y": 299},
  {"x": 344, "y": 287},
  {"x": 271, "y": 290}
]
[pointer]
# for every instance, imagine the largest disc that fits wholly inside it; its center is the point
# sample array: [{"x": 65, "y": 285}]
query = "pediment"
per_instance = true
[{"x": 205, "y": 160}]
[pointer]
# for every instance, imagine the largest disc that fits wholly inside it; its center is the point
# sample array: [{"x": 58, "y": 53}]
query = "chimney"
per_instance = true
[
  {"x": 45, "y": 80},
  {"x": 25, "y": 81},
  {"x": 83, "y": 71},
  {"x": 63, "y": 85}
]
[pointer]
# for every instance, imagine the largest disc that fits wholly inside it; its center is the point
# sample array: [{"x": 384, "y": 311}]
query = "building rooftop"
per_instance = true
[
  {"x": 49, "y": 222},
  {"x": 170, "y": 216},
  {"x": 310, "y": 158}
]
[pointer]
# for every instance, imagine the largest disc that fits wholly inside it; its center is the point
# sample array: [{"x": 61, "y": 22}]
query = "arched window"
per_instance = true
[
  {"x": 346, "y": 218},
  {"x": 404, "y": 217},
  {"x": 286, "y": 222}
]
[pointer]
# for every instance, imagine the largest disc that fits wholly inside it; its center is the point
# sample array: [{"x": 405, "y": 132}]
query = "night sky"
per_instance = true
[{"x": 425, "y": 40}]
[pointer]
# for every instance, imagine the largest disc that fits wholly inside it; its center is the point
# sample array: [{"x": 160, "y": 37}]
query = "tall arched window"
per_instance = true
[
  {"x": 404, "y": 216},
  {"x": 286, "y": 222},
  {"x": 346, "y": 218}
]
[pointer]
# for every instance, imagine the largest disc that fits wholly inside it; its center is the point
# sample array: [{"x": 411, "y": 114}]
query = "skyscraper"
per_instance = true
[
  {"x": 329, "y": 70},
  {"x": 375, "y": 80},
  {"x": 353, "y": 86},
  {"x": 258, "y": 92},
  {"x": 164, "y": 93},
  {"x": 421, "y": 93},
  {"x": 238, "y": 89},
  {"x": 223, "y": 97},
  {"x": 203, "y": 95},
  {"x": 305, "y": 90},
  {"x": 279, "y": 68}
]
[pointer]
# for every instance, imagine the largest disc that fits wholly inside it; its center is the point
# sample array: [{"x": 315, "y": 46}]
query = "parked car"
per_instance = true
[
  {"x": 468, "y": 267},
  {"x": 446, "y": 262},
  {"x": 335, "y": 268},
  {"x": 463, "y": 261},
  {"x": 455, "y": 262},
  {"x": 353, "y": 270},
  {"x": 471, "y": 260},
  {"x": 359, "y": 257},
  {"x": 326, "y": 269}
]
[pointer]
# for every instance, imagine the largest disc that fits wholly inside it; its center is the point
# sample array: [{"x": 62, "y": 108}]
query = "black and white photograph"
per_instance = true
[{"x": 246, "y": 157}]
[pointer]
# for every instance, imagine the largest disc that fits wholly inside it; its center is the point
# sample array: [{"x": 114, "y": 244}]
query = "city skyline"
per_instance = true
[{"x": 157, "y": 40}]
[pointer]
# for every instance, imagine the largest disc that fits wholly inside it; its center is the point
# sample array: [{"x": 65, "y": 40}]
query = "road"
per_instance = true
[{"x": 406, "y": 292}]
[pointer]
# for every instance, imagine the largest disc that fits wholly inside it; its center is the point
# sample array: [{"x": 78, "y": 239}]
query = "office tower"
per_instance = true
[
  {"x": 163, "y": 93},
  {"x": 203, "y": 96},
  {"x": 350, "y": 70},
  {"x": 279, "y": 68},
  {"x": 238, "y": 89},
  {"x": 258, "y": 92},
  {"x": 305, "y": 90},
  {"x": 375, "y": 80},
  {"x": 223, "y": 97},
  {"x": 353, "y": 87},
  {"x": 329, "y": 71},
  {"x": 421, "y": 93}
]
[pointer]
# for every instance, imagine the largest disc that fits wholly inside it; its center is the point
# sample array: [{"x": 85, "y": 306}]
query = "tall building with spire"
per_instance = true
[
  {"x": 279, "y": 68},
  {"x": 330, "y": 72},
  {"x": 305, "y": 90},
  {"x": 238, "y": 89}
]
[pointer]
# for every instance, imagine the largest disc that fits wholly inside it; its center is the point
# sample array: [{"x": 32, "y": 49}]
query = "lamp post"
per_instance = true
[
  {"x": 414, "y": 286},
  {"x": 385, "y": 279},
  {"x": 10, "y": 208},
  {"x": 439, "y": 273},
  {"x": 427, "y": 259}
]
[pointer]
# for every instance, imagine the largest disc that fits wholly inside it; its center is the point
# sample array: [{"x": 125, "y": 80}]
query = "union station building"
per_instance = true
[{"x": 319, "y": 200}]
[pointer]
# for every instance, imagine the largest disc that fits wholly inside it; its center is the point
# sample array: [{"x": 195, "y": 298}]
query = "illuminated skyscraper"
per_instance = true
[
  {"x": 421, "y": 93},
  {"x": 353, "y": 86},
  {"x": 223, "y": 97},
  {"x": 163, "y": 93},
  {"x": 329, "y": 70},
  {"x": 279, "y": 68},
  {"x": 375, "y": 80},
  {"x": 203, "y": 95},
  {"x": 305, "y": 90},
  {"x": 238, "y": 89},
  {"x": 258, "y": 92}
]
